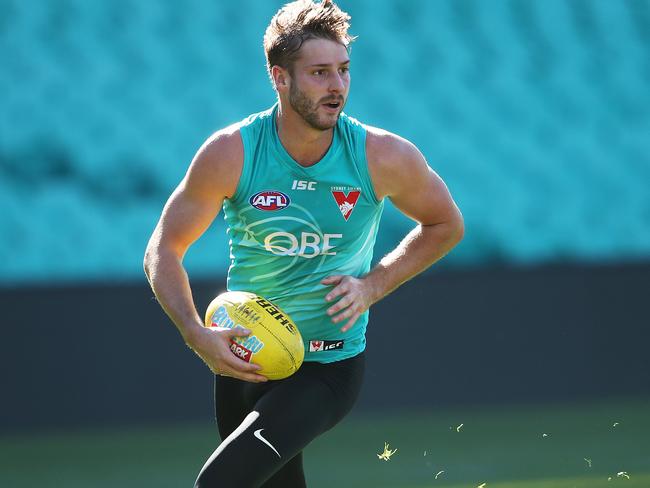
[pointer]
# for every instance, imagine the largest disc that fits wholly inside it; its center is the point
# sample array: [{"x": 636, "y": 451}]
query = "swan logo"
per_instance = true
[{"x": 346, "y": 201}]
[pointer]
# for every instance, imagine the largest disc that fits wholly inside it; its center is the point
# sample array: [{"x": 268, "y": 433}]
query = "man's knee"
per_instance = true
[{"x": 212, "y": 478}]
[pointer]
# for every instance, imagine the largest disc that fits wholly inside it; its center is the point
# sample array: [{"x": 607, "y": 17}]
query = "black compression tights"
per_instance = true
[{"x": 266, "y": 426}]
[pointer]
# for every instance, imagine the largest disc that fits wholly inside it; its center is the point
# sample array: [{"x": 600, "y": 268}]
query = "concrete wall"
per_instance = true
[{"x": 106, "y": 354}]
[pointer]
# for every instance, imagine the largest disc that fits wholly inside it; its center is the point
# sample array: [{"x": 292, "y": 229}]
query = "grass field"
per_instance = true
[{"x": 575, "y": 446}]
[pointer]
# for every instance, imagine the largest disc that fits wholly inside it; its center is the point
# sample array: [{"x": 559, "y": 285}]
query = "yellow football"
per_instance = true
[{"x": 275, "y": 342}]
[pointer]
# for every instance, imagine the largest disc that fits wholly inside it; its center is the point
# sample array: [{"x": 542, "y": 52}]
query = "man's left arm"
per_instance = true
[{"x": 399, "y": 172}]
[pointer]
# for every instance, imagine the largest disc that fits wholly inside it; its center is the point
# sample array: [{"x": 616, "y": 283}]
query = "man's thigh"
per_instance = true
[
  {"x": 265, "y": 427},
  {"x": 283, "y": 421}
]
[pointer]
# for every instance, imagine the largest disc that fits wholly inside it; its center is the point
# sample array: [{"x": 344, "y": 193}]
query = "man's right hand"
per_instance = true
[{"x": 213, "y": 346}]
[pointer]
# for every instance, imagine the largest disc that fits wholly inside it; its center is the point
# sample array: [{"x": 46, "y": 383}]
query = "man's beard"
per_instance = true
[{"x": 309, "y": 111}]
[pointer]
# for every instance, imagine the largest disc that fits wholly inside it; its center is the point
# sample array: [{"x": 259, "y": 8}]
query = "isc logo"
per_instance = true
[
  {"x": 269, "y": 200},
  {"x": 303, "y": 185}
]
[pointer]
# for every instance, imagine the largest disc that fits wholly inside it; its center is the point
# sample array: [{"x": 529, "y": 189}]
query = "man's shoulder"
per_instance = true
[
  {"x": 380, "y": 141},
  {"x": 223, "y": 150},
  {"x": 219, "y": 160},
  {"x": 256, "y": 120},
  {"x": 390, "y": 158},
  {"x": 224, "y": 143},
  {"x": 384, "y": 147}
]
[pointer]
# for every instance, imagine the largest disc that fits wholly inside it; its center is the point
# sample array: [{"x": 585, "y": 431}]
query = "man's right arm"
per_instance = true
[{"x": 194, "y": 204}]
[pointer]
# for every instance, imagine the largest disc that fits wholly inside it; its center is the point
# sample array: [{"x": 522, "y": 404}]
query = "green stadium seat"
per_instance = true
[{"x": 531, "y": 112}]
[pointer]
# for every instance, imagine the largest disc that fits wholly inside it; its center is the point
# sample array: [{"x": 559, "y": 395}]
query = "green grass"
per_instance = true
[
  {"x": 504, "y": 448},
  {"x": 576, "y": 482}
]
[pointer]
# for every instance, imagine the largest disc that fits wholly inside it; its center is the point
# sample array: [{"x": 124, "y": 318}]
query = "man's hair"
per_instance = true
[{"x": 300, "y": 21}]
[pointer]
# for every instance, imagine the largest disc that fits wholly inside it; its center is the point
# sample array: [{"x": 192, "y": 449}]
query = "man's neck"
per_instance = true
[{"x": 304, "y": 144}]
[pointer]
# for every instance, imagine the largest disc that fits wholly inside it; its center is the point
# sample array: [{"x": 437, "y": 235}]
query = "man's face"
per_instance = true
[{"x": 320, "y": 81}]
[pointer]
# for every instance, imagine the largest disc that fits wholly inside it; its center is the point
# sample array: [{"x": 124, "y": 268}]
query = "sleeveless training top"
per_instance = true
[{"x": 291, "y": 226}]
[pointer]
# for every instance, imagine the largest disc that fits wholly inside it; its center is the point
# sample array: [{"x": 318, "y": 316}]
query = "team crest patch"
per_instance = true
[
  {"x": 270, "y": 200},
  {"x": 346, "y": 199},
  {"x": 320, "y": 345}
]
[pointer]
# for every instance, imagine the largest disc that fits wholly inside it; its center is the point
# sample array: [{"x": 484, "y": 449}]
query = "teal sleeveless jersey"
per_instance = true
[{"x": 292, "y": 226}]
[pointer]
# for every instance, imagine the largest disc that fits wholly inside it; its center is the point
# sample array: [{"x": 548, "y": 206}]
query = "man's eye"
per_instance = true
[
  {"x": 319, "y": 72},
  {"x": 345, "y": 70}
]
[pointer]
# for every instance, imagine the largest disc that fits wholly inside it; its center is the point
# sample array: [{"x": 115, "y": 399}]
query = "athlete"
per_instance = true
[{"x": 302, "y": 187}]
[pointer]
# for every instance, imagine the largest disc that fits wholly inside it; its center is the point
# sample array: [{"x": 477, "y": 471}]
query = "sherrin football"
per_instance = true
[{"x": 275, "y": 342}]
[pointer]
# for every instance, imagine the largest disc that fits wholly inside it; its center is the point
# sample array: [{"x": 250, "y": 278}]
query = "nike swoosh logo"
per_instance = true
[{"x": 258, "y": 434}]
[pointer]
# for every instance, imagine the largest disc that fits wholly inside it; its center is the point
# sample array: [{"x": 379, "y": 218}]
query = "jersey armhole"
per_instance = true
[
  {"x": 362, "y": 157},
  {"x": 244, "y": 178}
]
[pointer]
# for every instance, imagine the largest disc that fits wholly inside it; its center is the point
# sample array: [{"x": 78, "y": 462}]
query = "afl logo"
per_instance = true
[{"x": 270, "y": 200}]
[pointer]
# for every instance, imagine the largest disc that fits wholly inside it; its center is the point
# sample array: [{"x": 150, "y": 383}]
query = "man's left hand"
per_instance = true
[{"x": 355, "y": 298}]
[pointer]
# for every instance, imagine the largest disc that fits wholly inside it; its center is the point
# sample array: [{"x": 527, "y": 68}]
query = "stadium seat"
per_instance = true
[{"x": 535, "y": 114}]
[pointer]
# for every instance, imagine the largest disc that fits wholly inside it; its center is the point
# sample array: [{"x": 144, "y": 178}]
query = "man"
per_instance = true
[{"x": 302, "y": 187}]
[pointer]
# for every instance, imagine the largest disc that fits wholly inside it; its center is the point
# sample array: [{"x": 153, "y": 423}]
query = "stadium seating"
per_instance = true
[{"x": 536, "y": 114}]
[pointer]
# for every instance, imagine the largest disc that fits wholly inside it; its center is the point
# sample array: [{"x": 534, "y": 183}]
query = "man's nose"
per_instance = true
[{"x": 337, "y": 84}]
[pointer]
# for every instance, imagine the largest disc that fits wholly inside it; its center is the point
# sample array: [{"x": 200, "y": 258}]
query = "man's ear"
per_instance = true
[{"x": 280, "y": 77}]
